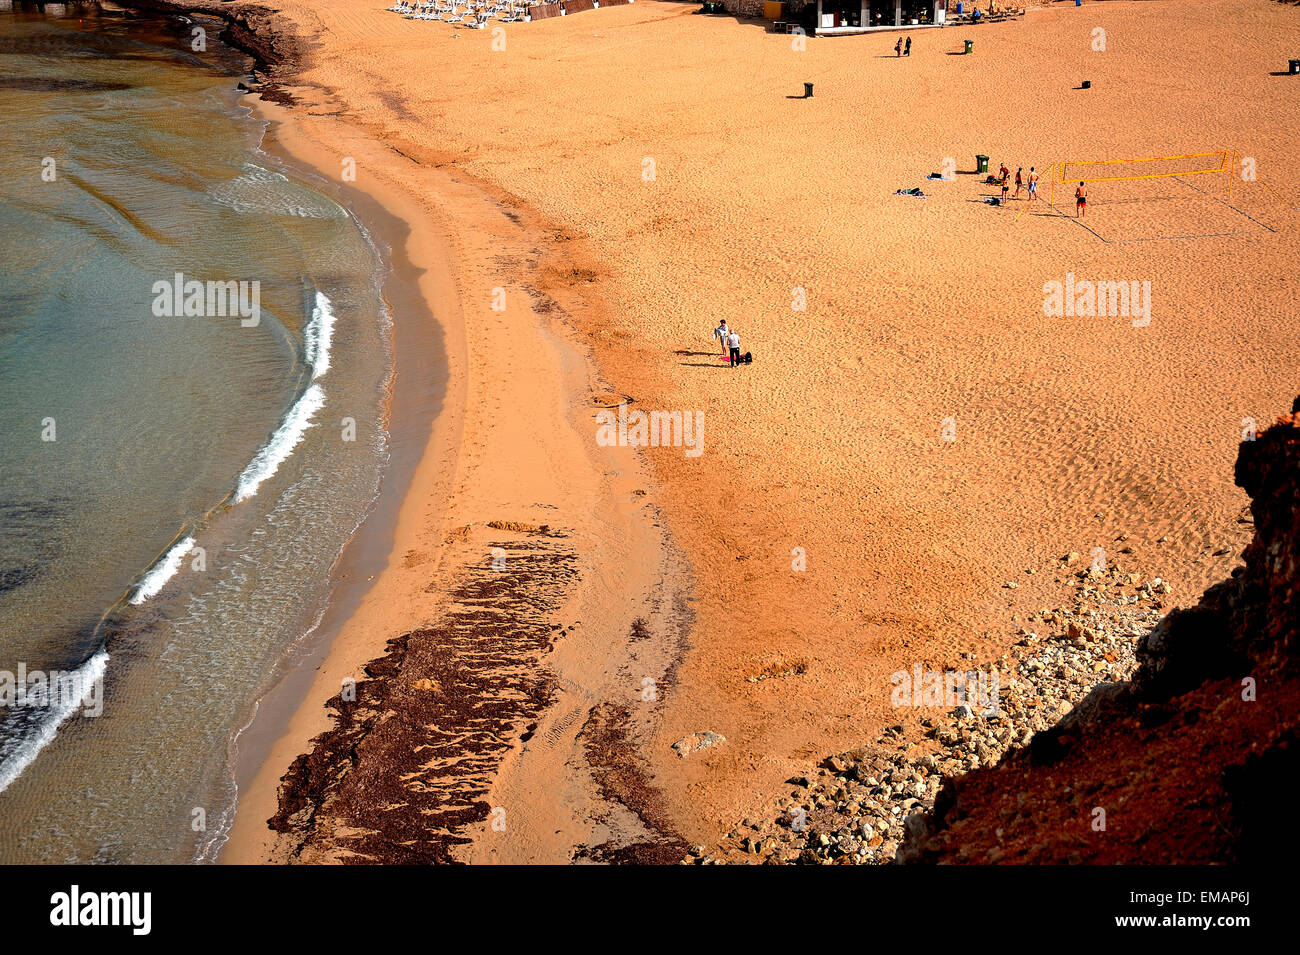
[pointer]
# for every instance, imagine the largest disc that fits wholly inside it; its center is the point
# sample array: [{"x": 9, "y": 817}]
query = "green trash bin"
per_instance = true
[
  {"x": 970, "y": 45},
  {"x": 981, "y": 163}
]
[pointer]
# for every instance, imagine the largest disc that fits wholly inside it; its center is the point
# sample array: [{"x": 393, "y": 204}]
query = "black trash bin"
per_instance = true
[
  {"x": 1295, "y": 67},
  {"x": 807, "y": 91}
]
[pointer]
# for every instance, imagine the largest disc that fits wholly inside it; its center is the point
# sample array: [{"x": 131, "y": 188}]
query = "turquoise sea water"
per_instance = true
[{"x": 174, "y": 488}]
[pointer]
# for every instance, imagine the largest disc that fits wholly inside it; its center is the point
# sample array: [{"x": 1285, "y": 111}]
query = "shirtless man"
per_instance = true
[{"x": 1080, "y": 201}]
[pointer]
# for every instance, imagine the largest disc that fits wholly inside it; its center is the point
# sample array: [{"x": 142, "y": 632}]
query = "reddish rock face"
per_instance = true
[{"x": 1182, "y": 765}]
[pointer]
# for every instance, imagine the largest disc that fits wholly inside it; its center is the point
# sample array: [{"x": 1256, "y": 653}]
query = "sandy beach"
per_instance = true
[{"x": 894, "y": 479}]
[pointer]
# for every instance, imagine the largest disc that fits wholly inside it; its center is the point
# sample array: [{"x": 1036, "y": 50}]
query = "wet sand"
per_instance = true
[
  {"x": 511, "y": 448},
  {"x": 417, "y": 393}
]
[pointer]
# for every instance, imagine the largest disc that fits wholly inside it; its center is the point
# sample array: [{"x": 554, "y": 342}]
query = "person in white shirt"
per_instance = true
[
  {"x": 733, "y": 346},
  {"x": 720, "y": 333}
]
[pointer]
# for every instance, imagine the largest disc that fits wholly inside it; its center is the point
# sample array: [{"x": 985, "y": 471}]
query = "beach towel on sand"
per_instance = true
[{"x": 912, "y": 193}]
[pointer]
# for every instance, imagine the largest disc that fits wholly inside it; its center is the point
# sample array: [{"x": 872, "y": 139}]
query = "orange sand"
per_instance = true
[{"x": 1069, "y": 431}]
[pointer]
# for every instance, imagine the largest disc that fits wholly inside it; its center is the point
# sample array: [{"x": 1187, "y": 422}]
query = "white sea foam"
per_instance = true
[
  {"x": 55, "y": 702},
  {"x": 259, "y": 191},
  {"x": 162, "y": 571},
  {"x": 318, "y": 336},
  {"x": 286, "y": 438}
]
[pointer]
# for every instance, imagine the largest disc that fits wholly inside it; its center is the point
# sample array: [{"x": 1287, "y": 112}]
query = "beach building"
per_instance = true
[
  {"x": 832, "y": 17},
  {"x": 858, "y": 16}
]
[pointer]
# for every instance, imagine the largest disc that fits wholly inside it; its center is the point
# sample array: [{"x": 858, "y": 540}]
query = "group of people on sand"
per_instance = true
[
  {"x": 903, "y": 50},
  {"x": 1004, "y": 177}
]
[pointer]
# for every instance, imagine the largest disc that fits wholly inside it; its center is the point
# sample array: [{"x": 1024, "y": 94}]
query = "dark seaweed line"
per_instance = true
[{"x": 406, "y": 768}]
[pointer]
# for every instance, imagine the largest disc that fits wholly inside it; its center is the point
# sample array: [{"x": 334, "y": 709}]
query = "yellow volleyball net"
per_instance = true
[
  {"x": 1154, "y": 167},
  {"x": 1157, "y": 167},
  {"x": 1167, "y": 197}
]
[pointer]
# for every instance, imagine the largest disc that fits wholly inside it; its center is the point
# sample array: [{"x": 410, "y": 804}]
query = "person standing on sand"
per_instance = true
[
  {"x": 1080, "y": 201},
  {"x": 1019, "y": 182},
  {"x": 1006, "y": 187},
  {"x": 907, "y": 50},
  {"x": 733, "y": 345},
  {"x": 898, "y": 47},
  {"x": 1033, "y": 183},
  {"x": 720, "y": 333}
]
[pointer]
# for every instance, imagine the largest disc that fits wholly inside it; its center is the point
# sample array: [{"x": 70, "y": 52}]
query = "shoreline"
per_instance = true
[
  {"x": 402, "y": 539},
  {"x": 413, "y": 413},
  {"x": 334, "y": 547}
]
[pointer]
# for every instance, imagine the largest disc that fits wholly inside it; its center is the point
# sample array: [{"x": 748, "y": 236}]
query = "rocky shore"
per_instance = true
[
  {"x": 277, "y": 52},
  {"x": 1120, "y": 733},
  {"x": 856, "y": 807}
]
